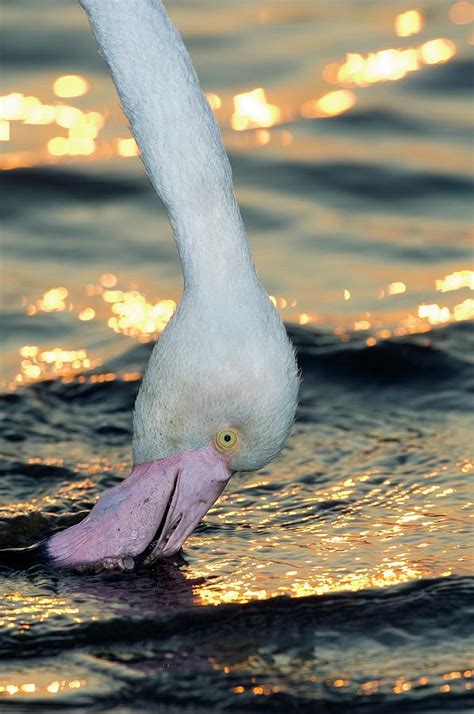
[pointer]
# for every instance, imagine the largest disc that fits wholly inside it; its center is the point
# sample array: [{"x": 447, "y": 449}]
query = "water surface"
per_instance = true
[{"x": 339, "y": 578}]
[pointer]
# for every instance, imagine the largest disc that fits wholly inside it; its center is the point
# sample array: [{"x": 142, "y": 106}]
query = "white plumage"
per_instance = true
[{"x": 224, "y": 360}]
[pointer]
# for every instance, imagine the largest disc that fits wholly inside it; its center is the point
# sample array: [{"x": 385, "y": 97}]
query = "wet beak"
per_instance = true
[{"x": 147, "y": 516}]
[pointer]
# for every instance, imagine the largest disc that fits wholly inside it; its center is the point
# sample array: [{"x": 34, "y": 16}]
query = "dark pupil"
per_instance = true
[{"x": 227, "y": 437}]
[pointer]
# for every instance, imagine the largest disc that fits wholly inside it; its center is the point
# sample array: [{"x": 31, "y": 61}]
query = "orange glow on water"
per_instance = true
[
  {"x": 82, "y": 141},
  {"x": 108, "y": 280},
  {"x": 262, "y": 136},
  {"x": 379, "y": 550},
  {"x": 462, "y": 13},
  {"x": 252, "y": 110},
  {"x": 129, "y": 312}
]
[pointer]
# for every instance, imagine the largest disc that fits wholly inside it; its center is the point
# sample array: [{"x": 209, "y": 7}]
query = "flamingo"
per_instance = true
[{"x": 219, "y": 393}]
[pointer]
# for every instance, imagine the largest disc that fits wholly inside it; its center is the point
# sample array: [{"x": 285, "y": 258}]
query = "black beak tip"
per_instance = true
[{"x": 24, "y": 558}]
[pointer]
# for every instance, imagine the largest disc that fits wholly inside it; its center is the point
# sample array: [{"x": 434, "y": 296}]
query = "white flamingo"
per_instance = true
[{"x": 220, "y": 390}]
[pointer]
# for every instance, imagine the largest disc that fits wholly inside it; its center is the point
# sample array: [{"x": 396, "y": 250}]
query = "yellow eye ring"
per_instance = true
[{"x": 226, "y": 440}]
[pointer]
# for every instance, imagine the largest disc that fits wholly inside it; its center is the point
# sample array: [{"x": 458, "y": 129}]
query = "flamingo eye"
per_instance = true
[{"x": 226, "y": 440}]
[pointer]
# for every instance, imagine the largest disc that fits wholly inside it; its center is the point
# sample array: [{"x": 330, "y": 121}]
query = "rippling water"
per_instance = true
[{"x": 339, "y": 578}]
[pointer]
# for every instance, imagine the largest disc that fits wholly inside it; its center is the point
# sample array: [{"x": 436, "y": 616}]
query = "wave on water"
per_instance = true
[{"x": 133, "y": 637}]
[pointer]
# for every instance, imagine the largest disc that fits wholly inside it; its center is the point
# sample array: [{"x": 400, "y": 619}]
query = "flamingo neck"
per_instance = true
[
  {"x": 178, "y": 137},
  {"x": 213, "y": 251}
]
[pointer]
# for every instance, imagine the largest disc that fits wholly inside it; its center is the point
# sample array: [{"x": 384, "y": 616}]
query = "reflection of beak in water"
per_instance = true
[
  {"x": 147, "y": 516},
  {"x": 150, "y": 593}
]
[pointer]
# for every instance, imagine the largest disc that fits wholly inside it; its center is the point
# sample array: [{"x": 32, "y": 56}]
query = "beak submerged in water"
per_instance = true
[{"x": 147, "y": 516}]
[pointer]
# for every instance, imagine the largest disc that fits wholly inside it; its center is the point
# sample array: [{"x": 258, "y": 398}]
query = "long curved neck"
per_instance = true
[{"x": 179, "y": 140}]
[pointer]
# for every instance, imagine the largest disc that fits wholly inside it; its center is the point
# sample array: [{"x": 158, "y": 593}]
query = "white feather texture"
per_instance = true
[{"x": 224, "y": 359}]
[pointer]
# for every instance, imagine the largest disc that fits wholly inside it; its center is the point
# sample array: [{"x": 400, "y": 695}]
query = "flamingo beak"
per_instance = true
[{"x": 147, "y": 516}]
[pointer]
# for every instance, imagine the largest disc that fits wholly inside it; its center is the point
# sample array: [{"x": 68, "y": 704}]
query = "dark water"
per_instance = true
[
  {"x": 372, "y": 490},
  {"x": 339, "y": 578}
]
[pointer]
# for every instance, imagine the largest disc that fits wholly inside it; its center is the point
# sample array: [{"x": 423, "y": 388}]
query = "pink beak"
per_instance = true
[{"x": 147, "y": 516}]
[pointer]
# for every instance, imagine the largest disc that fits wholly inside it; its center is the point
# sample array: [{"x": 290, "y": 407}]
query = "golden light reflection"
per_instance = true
[
  {"x": 87, "y": 314},
  {"x": 386, "y": 531},
  {"x": 37, "y": 364},
  {"x": 134, "y": 316},
  {"x": 214, "y": 101},
  {"x": 243, "y": 585},
  {"x": 127, "y": 147},
  {"x": 437, "y": 51},
  {"x": 83, "y": 128},
  {"x": 251, "y": 110},
  {"x": 393, "y": 64},
  {"x": 130, "y": 313},
  {"x": 41, "y": 114},
  {"x": 282, "y": 664},
  {"x": 43, "y": 688},
  {"x": 74, "y": 146},
  {"x": 408, "y": 23},
  {"x": 262, "y": 137},
  {"x": 382, "y": 66},
  {"x": 435, "y": 314},
  {"x": 108, "y": 280},
  {"x": 456, "y": 281},
  {"x": 58, "y": 146},
  {"x": 4, "y": 130},
  {"x": 329, "y": 105},
  {"x": 397, "y": 288},
  {"x": 70, "y": 85},
  {"x": 15, "y": 106},
  {"x": 464, "y": 310},
  {"x": 68, "y": 117},
  {"x": 53, "y": 300},
  {"x": 27, "y": 609},
  {"x": 361, "y": 325},
  {"x": 304, "y": 318}
]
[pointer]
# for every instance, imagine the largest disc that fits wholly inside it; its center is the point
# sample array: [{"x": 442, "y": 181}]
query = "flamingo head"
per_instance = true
[{"x": 212, "y": 402}]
